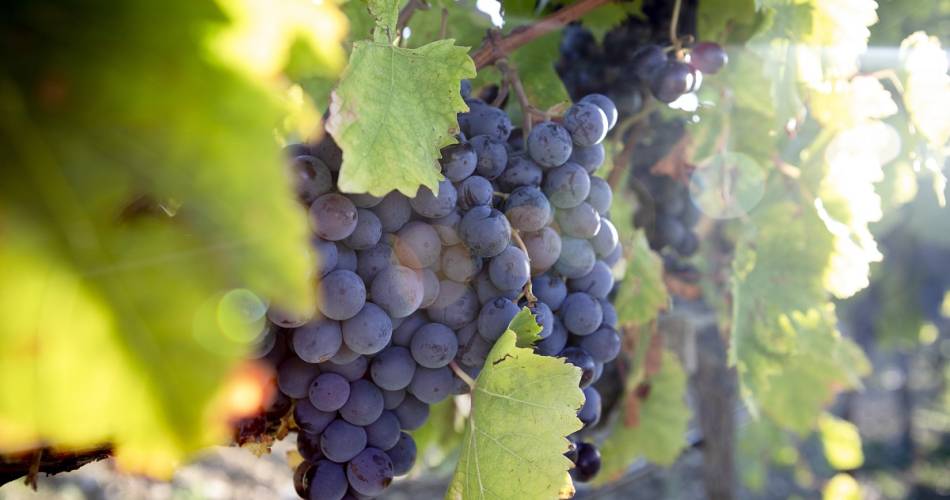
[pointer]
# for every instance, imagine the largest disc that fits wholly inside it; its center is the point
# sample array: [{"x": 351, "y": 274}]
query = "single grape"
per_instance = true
[
  {"x": 490, "y": 121},
  {"x": 543, "y": 317},
  {"x": 581, "y": 221},
  {"x": 708, "y": 57},
  {"x": 431, "y": 385},
  {"x": 458, "y": 161},
  {"x": 610, "y": 314},
  {"x": 351, "y": 370},
  {"x": 393, "y": 212},
  {"x": 521, "y": 171},
  {"x": 581, "y": 313},
  {"x": 402, "y": 335},
  {"x": 492, "y": 156},
  {"x": 671, "y": 81},
  {"x": 447, "y": 227},
  {"x": 328, "y": 151},
  {"x": 346, "y": 258},
  {"x": 370, "y": 472},
  {"x": 368, "y": 230},
  {"x": 412, "y": 413},
  {"x": 475, "y": 191},
  {"x": 648, "y": 61},
  {"x": 341, "y": 441},
  {"x": 494, "y": 317},
  {"x": 485, "y": 231},
  {"x": 456, "y": 306},
  {"x": 487, "y": 291},
  {"x": 397, "y": 290},
  {"x": 581, "y": 359},
  {"x": 587, "y": 124},
  {"x": 403, "y": 455},
  {"x": 600, "y": 196},
  {"x": 317, "y": 341},
  {"x": 428, "y": 204},
  {"x": 369, "y": 331},
  {"x": 392, "y": 369},
  {"x": 669, "y": 231},
  {"x": 312, "y": 178},
  {"x": 527, "y": 209},
  {"x": 371, "y": 261},
  {"x": 310, "y": 419},
  {"x": 597, "y": 283},
  {"x": 589, "y": 414},
  {"x": 588, "y": 462},
  {"x": 544, "y": 248},
  {"x": 392, "y": 399},
  {"x": 326, "y": 253},
  {"x": 549, "y": 144},
  {"x": 549, "y": 289},
  {"x": 567, "y": 186},
  {"x": 590, "y": 158},
  {"x": 333, "y": 216},
  {"x": 430, "y": 287},
  {"x": 555, "y": 342},
  {"x": 458, "y": 264},
  {"x": 603, "y": 345},
  {"x": 417, "y": 245},
  {"x": 606, "y": 105},
  {"x": 344, "y": 355},
  {"x": 294, "y": 377},
  {"x": 328, "y": 481},
  {"x": 341, "y": 295},
  {"x": 329, "y": 392},
  {"x": 510, "y": 270},
  {"x": 434, "y": 345},
  {"x": 473, "y": 348},
  {"x": 688, "y": 245},
  {"x": 384, "y": 432},
  {"x": 577, "y": 257},
  {"x": 364, "y": 405}
]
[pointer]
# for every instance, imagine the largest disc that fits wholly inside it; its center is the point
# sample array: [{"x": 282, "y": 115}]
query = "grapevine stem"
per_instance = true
[
  {"x": 494, "y": 49},
  {"x": 444, "y": 26},
  {"x": 514, "y": 81},
  {"x": 528, "y": 292},
  {"x": 460, "y": 373},
  {"x": 674, "y": 21}
]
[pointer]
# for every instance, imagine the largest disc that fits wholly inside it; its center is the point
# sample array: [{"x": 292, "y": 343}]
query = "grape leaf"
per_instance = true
[
  {"x": 642, "y": 293},
  {"x": 525, "y": 327},
  {"x": 535, "y": 64},
  {"x": 659, "y": 435},
  {"x": 144, "y": 192},
  {"x": 789, "y": 357},
  {"x": 523, "y": 406},
  {"x": 386, "y": 13},
  {"x": 440, "y": 435},
  {"x": 390, "y": 130},
  {"x": 465, "y": 23}
]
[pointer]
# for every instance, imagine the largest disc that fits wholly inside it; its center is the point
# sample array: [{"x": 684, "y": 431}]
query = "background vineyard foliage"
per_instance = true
[{"x": 147, "y": 220}]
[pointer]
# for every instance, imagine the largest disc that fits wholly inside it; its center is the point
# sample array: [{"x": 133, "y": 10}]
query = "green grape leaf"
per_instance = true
[
  {"x": 138, "y": 208},
  {"x": 441, "y": 435},
  {"x": 716, "y": 19},
  {"x": 642, "y": 291},
  {"x": 841, "y": 442},
  {"x": 525, "y": 327},
  {"x": 523, "y": 406},
  {"x": 606, "y": 17},
  {"x": 465, "y": 23},
  {"x": 390, "y": 131},
  {"x": 659, "y": 433},
  {"x": 789, "y": 357},
  {"x": 535, "y": 64}
]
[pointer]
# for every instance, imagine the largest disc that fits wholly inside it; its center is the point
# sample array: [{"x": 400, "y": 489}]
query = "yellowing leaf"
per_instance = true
[
  {"x": 261, "y": 33},
  {"x": 841, "y": 487},
  {"x": 523, "y": 406},
  {"x": 660, "y": 433},
  {"x": 841, "y": 442},
  {"x": 393, "y": 111}
]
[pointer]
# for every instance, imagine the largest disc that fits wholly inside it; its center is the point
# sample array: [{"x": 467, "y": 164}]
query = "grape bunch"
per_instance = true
[{"x": 408, "y": 286}]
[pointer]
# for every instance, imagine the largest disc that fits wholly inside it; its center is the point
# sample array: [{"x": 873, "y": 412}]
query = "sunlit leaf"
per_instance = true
[{"x": 841, "y": 442}]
